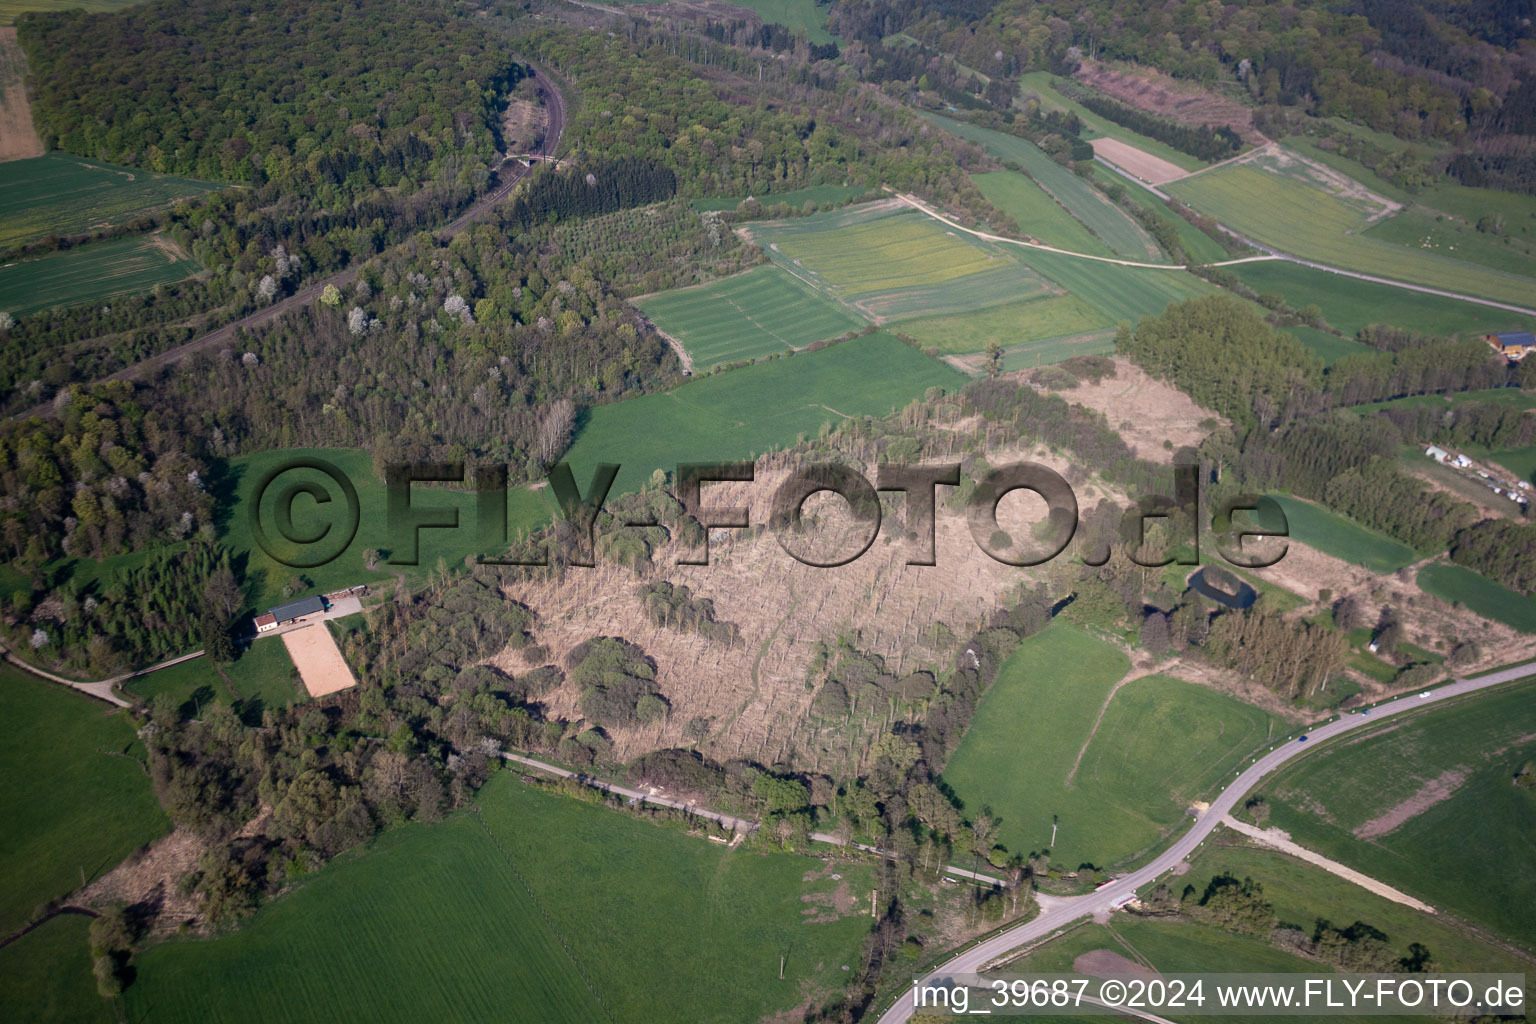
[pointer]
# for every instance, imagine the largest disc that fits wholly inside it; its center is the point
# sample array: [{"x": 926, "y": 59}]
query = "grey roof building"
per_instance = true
[{"x": 298, "y": 609}]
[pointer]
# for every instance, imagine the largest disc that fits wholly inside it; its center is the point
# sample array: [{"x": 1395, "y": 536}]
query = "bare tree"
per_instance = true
[{"x": 555, "y": 427}]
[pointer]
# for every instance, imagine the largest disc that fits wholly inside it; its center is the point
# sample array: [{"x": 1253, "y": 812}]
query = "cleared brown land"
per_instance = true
[
  {"x": 1145, "y": 411},
  {"x": 1157, "y": 93},
  {"x": 754, "y": 697},
  {"x": 1106, "y": 963},
  {"x": 1431, "y": 793},
  {"x": 18, "y": 138},
  {"x": 1154, "y": 170},
  {"x": 318, "y": 659}
]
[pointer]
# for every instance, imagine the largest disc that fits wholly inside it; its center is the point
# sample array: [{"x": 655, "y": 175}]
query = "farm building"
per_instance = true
[
  {"x": 266, "y": 623},
  {"x": 1438, "y": 454},
  {"x": 1512, "y": 344},
  {"x": 285, "y": 613}
]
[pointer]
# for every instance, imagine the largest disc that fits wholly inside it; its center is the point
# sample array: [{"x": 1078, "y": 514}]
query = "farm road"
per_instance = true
[
  {"x": 1062, "y": 912},
  {"x": 1270, "y": 253}
]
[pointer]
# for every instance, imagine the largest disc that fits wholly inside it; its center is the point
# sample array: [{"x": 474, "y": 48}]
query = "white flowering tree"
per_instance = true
[{"x": 357, "y": 321}]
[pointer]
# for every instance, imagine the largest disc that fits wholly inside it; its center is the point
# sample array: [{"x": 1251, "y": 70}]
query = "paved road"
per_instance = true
[
  {"x": 1062, "y": 912},
  {"x": 512, "y": 172},
  {"x": 742, "y": 825}
]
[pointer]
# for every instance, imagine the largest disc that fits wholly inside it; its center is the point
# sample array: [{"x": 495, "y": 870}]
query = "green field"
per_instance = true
[
  {"x": 1425, "y": 230},
  {"x": 888, "y": 261},
  {"x": 1161, "y": 743},
  {"x": 1334, "y": 535},
  {"x": 46, "y": 976},
  {"x": 1111, "y": 224},
  {"x": 1497, "y": 396},
  {"x": 796, "y": 198},
  {"x": 794, "y": 14},
  {"x": 75, "y": 799},
  {"x": 746, "y": 412},
  {"x": 750, "y": 315},
  {"x": 1011, "y": 325},
  {"x": 1460, "y": 585},
  {"x": 1119, "y": 293},
  {"x": 1037, "y": 213},
  {"x": 1042, "y": 83},
  {"x": 1447, "y": 775},
  {"x": 541, "y": 909},
  {"x": 1329, "y": 347},
  {"x": 90, "y": 273},
  {"x": 60, "y": 194},
  {"x": 1351, "y": 304},
  {"x": 1519, "y": 461},
  {"x": 1053, "y": 350},
  {"x": 262, "y": 677},
  {"x": 1281, "y": 210},
  {"x": 265, "y": 577},
  {"x": 1301, "y": 896},
  {"x": 1200, "y": 247}
]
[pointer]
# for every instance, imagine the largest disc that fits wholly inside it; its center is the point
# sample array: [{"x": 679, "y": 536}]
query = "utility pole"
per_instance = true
[{"x": 1053, "y": 832}]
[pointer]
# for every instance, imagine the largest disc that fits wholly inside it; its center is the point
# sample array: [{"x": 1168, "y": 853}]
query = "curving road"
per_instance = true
[
  {"x": 512, "y": 172},
  {"x": 1062, "y": 912}
]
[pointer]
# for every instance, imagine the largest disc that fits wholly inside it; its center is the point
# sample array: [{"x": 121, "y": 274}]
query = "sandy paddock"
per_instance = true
[
  {"x": 1152, "y": 169},
  {"x": 318, "y": 659}
]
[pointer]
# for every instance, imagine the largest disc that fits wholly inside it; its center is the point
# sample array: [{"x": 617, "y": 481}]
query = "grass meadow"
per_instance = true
[
  {"x": 1460, "y": 585},
  {"x": 1330, "y": 348},
  {"x": 1012, "y": 325},
  {"x": 533, "y": 908},
  {"x": 1199, "y": 246},
  {"x": 1119, "y": 293},
  {"x": 1513, "y": 397},
  {"x": 527, "y": 510},
  {"x": 794, "y": 14},
  {"x": 46, "y": 976},
  {"x": 262, "y": 677},
  {"x": 59, "y": 194},
  {"x": 754, "y": 409},
  {"x": 1519, "y": 461},
  {"x": 1161, "y": 743},
  {"x": 1293, "y": 216},
  {"x": 1334, "y": 535},
  {"x": 75, "y": 799},
  {"x": 747, "y": 316},
  {"x": 91, "y": 273},
  {"x": 1440, "y": 850},
  {"x": 1037, "y": 212},
  {"x": 1351, "y": 304},
  {"x": 1112, "y": 225},
  {"x": 890, "y": 261}
]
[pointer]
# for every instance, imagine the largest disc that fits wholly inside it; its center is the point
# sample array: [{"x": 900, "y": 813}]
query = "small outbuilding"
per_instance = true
[
  {"x": 1436, "y": 453},
  {"x": 266, "y": 623}
]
